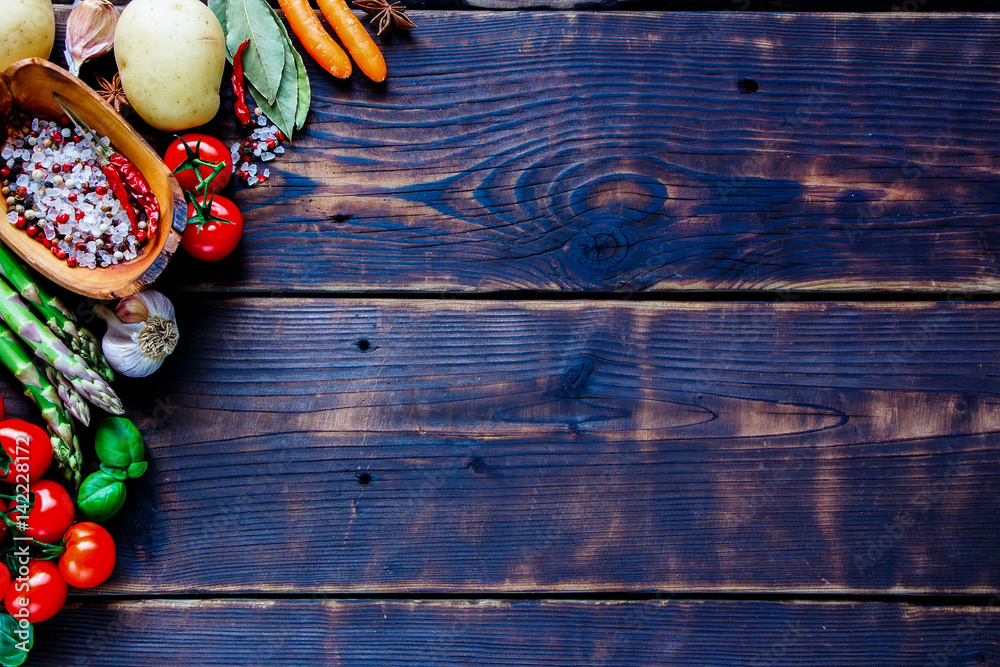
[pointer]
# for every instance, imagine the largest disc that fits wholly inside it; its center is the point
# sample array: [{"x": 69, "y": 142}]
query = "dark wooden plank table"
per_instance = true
[{"x": 590, "y": 338}]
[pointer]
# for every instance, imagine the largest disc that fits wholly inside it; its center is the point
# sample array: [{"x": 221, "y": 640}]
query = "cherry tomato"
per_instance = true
[
  {"x": 4, "y": 579},
  {"x": 29, "y": 448},
  {"x": 89, "y": 558},
  {"x": 4, "y": 528},
  {"x": 42, "y": 592},
  {"x": 50, "y": 516},
  {"x": 209, "y": 239},
  {"x": 203, "y": 147}
]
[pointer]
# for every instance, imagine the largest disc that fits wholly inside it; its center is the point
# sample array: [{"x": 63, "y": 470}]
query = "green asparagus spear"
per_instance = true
[
  {"x": 42, "y": 393},
  {"x": 46, "y": 346},
  {"x": 53, "y": 312},
  {"x": 71, "y": 400}
]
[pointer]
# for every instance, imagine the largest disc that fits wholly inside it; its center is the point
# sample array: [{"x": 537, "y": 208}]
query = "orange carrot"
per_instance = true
[
  {"x": 354, "y": 36},
  {"x": 315, "y": 39}
]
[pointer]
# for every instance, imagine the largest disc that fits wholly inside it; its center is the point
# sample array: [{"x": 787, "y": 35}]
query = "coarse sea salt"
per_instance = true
[
  {"x": 263, "y": 145},
  {"x": 70, "y": 209}
]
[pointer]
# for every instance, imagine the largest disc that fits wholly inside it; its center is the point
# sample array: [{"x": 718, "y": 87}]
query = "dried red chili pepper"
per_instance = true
[
  {"x": 239, "y": 95},
  {"x": 124, "y": 178},
  {"x": 118, "y": 188},
  {"x": 139, "y": 189}
]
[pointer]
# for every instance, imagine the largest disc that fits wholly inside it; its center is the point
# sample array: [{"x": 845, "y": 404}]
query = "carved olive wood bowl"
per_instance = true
[{"x": 29, "y": 85}]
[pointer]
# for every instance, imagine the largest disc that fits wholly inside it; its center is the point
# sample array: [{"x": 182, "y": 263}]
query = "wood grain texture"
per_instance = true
[
  {"x": 697, "y": 5},
  {"x": 471, "y": 447},
  {"x": 532, "y": 633},
  {"x": 615, "y": 151}
]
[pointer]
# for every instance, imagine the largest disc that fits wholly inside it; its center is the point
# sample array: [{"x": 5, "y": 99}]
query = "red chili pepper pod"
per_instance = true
[
  {"x": 118, "y": 188},
  {"x": 239, "y": 94},
  {"x": 139, "y": 188}
]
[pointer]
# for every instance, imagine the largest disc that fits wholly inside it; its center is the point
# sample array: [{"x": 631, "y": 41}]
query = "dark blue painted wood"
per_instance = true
[{"x": 626, "y": 152}]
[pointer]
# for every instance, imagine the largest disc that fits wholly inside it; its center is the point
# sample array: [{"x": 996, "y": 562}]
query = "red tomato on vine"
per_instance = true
[
  {"x": 42, "y": 594},
  {"x": 89, "y": 558},
  {"x": 214, "y": 227},
  {"x": 196, "y": 158}
]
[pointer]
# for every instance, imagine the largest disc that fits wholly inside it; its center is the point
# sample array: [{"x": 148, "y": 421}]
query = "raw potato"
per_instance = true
[
  {"x": 171, "y": 54},
  {"x": 28, "y": 28}
]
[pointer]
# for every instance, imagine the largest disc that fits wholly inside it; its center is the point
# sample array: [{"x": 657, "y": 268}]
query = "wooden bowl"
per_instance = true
[{"x": 29, "y": 85}]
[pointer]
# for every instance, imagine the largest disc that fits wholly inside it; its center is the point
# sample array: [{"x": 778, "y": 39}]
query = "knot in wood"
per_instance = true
[
  {"x": 603, "y": 246},
  {"x": 575, "y": 379}
]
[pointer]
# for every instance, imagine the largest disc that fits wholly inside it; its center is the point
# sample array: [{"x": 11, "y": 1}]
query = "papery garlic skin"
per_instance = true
[
  {"x": 90, "y": 32},
  {"x": 142, "y": 331}
]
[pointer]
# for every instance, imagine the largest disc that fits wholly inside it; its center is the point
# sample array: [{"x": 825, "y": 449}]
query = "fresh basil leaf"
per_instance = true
[
  {"x": 137, "y": 469},
  {"x": 15, "y": 641},
  {"x": 117, "y": 473},
  {"x": 118, "y": 442},
  {"x": 301, "y": 76},
  {"x": 264, "y": 57},
  {"x": 275, "y": 113},
  {"x": 101, "y": 496}
]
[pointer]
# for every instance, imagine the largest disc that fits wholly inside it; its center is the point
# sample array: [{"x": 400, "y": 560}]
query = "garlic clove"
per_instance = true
[
  {"x": 90, "y": 32},
  {"x": 132, "y": 309}
]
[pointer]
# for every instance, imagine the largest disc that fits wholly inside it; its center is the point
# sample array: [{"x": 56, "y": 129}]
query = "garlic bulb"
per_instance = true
[
  {"x": 142, "y": 331},
  {"x": 90, "y": 32}
]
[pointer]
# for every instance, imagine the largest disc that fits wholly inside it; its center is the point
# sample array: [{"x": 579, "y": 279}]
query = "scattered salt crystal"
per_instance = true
[
  {"x": 252, "y": 180},
  {"x": 262, "y": 121},
  {"x": 11, "y": 217},
  {"x": 267, "y": 173},
  {"x": 266, "y": 156},
  {"x": 279, "y": 150},
  {"x": 251, "y": 169}
]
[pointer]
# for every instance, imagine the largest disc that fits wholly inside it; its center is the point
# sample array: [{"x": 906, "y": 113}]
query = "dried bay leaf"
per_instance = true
[
  {"x": 264, "y": 58},
  {"x": 302, "y": 77},
  {"x": 278, "y": 115}
]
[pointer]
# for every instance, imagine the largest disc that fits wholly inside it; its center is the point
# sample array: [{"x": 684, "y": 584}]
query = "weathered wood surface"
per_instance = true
[
  {"x": 619, "y": 151},
  {"x": 458, "y": 446},
  {"x": 531, "y": 633},
  {"x": 698, "y": 5},
  {"x": 615, "y": 151},
  {"x": 306, "y": 447}
]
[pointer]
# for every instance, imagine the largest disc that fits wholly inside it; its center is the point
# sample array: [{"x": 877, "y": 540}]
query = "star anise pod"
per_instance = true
[
  {"x": 112, "y": 92},
  {"x": 388, "y": 15}
]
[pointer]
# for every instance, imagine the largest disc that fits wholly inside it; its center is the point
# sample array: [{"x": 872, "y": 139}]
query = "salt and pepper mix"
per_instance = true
[{"x": 58, "y": 193}]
